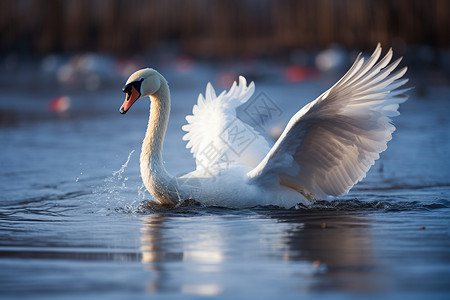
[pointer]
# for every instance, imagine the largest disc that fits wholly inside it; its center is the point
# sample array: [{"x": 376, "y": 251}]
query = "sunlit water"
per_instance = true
[{"x": 72, "y": 223}]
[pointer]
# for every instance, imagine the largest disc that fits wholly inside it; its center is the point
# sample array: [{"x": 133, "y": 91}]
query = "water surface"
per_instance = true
[{"x": 72, "y": 223}]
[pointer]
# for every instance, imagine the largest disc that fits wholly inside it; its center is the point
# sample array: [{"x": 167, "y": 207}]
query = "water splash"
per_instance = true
[
  {"x": 117, "y": 194},
  {"x": 119, "y": 172},
  {"x": 143, "y": 194}
]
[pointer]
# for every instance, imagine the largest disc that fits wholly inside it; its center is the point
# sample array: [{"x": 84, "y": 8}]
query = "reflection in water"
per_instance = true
[
  {"x": 326, "y": 251},
  {"x": 199, "y": 251},
  {"x": 339, "y": 247}
]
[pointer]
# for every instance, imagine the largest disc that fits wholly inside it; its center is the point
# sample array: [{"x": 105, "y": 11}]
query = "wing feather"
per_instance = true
[
  {"x": 331, "y": 143},
  {"x": 210, "y": 134}
]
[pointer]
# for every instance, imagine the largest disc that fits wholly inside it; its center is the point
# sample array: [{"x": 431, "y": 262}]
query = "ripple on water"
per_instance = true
[{"x": 350, "y": 205}]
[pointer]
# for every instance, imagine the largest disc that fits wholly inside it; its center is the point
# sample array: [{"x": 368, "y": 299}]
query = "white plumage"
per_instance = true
[
  {"x": 326, "y": 148},
  {"x": 213, "y": 119},
  {"x": 330, "y": 144}
]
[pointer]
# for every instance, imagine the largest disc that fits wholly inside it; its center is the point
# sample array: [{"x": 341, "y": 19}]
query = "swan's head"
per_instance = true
[{"x": 141, "y": 83}]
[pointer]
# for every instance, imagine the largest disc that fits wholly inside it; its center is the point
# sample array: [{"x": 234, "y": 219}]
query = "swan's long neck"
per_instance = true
[{"x": 156, "y": 179}]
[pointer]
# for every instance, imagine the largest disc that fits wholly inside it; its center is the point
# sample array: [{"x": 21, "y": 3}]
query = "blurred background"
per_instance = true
[
  {"x": 218, "y": 29},
  {"x": 105, "y": 40}
]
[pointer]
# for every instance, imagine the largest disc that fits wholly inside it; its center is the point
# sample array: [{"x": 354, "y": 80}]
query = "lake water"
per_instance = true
[{"x": 72, "y": 225}]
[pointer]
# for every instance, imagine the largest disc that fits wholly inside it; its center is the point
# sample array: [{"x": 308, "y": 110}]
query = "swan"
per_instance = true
[{"x": 326, "y": 147}]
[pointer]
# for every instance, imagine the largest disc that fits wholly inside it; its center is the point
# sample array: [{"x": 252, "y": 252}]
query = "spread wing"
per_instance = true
[
  {"x": 331, "y": 143},
  {"x": 215, "y": 134}
]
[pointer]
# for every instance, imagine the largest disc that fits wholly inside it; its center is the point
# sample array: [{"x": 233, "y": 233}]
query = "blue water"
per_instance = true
[{"x": 72, "y": 223}]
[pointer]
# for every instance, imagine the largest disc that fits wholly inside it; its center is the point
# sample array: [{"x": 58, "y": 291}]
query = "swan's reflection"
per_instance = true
[
  {"x": 208, "y": 255},
  {"x": 165, "y": 241}
]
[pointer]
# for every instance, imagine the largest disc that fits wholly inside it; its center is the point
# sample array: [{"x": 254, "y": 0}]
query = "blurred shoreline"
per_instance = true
[
  {"x": 218, "y": 29},
  {"x": 91, "y": 45}
]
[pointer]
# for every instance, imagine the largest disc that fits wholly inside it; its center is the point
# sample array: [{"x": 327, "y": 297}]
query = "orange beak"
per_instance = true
[{"x": 132, "y": 96}]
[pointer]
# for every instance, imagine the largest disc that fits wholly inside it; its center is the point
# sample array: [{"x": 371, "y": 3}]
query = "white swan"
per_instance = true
[{"x": 327, "y": 146}]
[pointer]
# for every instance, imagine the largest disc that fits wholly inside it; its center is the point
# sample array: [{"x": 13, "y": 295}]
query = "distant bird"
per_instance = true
[{"x": 327, "y": 146}]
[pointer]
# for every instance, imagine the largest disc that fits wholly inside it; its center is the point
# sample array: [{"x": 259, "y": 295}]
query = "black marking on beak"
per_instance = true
[
  {"x": 122, "y": 110},
  {"x": 136, "y": 84}
]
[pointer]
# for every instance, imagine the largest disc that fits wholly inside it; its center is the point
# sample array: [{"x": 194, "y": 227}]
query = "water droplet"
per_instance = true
[{"x": 114, "y": 192}]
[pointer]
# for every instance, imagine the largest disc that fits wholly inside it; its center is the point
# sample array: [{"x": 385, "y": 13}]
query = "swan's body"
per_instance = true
[{"x": 327, "y": 146}]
